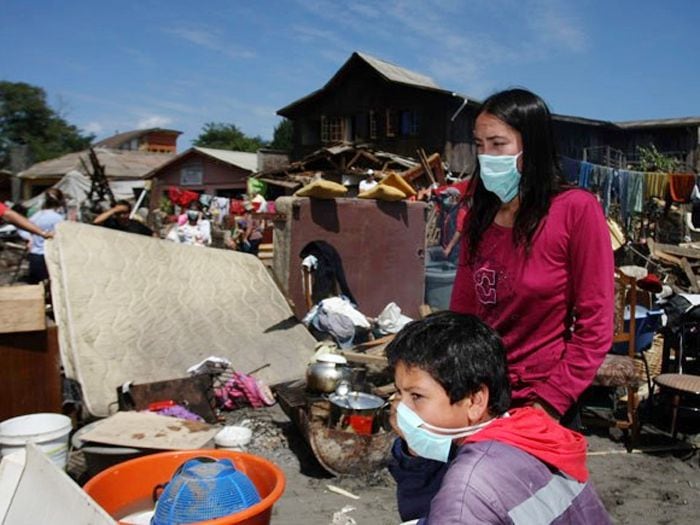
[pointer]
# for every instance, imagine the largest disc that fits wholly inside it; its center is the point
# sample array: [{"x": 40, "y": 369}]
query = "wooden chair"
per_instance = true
[
  {"x": 682, "y": 384},
  {"x": 619, "y": 371}
]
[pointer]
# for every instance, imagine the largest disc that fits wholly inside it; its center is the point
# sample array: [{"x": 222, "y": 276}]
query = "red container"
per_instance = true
[
  {"x": 128, "y": 487},
  {"x": 361, "y": 424}
]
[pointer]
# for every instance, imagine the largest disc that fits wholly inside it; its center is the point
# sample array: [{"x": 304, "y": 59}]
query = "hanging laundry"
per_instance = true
[
  {"x": 237, "y": 207},
  {"x": 570, "y": 168},
  {"x": 635, "y": 193},
  {"x": 655, "y": 184},
  {"x": 584, "y": 174},
  {"x": 182, "y": 197},
  {"x": 219, "y": 208},
  {"x": 606, "y": 183},
  {"x": 681, "y": 186}
]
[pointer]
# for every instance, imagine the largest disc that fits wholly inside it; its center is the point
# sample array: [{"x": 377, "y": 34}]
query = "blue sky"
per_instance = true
[{"x": 115, "y": 66}]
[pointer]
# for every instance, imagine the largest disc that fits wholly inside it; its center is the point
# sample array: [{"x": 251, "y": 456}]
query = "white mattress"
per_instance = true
[{"x": 134, "y": 308}]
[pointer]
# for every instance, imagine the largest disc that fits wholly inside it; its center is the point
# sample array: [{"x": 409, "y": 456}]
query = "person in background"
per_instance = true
[
  {"x": 462, "y": 456},
  {"x": 21, "y": 222},
  {"x": 46, "y": 220},
  {"x": 118, "y": 218},
  {"x": 196, "y": 230},
  {"x": 453, "y": 212},
  {"x": 536, "y": 263},
  {"x": 368, "y": 182}
]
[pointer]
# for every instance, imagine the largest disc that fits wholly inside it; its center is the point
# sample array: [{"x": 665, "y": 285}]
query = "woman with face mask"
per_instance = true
[{"x": 536, "y": 262}]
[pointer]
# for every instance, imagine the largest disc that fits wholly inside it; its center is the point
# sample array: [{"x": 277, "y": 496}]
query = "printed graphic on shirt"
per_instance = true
[
  {"x": 493, "y": 282},
  {"x": 485, "y": 285}
]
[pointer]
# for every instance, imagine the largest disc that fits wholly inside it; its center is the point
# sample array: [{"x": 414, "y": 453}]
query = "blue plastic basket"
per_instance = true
[{"x": 204, "y": 489}]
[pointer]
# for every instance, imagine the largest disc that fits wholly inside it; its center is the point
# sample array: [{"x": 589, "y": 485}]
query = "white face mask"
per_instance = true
[
  {"x": 427, "y": 440},
  {"x": 500, "y": 175}
]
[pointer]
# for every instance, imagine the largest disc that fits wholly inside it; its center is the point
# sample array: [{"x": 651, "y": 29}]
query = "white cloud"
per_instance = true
[
  {"x": 153, "y": 121},
  {"x": 210, "y": 38},
  {"x": 555, "y": 27},
  {"x": 93, "y": 127}
]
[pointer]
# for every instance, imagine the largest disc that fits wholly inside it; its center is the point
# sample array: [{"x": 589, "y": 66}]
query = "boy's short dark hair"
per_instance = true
[{"x": 460, "y": 352}]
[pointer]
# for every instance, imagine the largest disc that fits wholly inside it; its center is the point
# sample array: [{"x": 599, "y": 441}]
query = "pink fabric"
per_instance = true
[
  {"x": 529, "y": 299},
  {"x": 3, "y": 209}
]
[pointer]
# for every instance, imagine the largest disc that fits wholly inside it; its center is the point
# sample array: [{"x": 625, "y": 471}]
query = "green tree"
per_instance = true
[
  {"x": 227, "y": 136},
  {"x": 282, "y": 136},
  {"x": 651, "y": 159},
  {"x": 27, "y": 119}
]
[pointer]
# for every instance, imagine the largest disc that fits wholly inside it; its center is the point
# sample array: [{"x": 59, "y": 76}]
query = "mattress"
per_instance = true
[{"x": 134, "y": 308}]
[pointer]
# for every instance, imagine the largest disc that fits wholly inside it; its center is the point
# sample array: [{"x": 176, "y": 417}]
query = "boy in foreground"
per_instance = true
[{"x": 462, "y": 457}]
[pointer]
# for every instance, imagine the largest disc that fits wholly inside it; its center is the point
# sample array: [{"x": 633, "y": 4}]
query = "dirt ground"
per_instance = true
[{"x": 659, "y": 486}]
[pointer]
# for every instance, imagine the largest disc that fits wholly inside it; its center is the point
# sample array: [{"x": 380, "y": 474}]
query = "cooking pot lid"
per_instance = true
[{"x": 357, "y": 401}]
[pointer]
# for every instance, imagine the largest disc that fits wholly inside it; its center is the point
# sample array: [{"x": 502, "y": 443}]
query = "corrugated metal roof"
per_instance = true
[
  {"x": 659, "y": 123},
  {"x": 242, "y": 159},
  {"x": 398, "y": 74},
  {"x": 119, "y": 164}
]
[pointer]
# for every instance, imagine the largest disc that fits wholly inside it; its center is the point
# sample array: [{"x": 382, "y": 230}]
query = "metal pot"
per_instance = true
[
  {"x": 357, "y": 402},
  {"x": 326, "y": 373},
  {"x": 356, "y": 409}
]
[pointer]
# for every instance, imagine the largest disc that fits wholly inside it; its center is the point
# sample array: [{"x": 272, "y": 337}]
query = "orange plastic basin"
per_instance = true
[{"x": 128, "y": 487}]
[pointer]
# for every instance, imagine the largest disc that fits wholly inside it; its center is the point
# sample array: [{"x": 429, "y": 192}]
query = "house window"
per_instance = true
[
  {"x": 192, "y": 175},
  {"x": 410, "y": 123},
  {"x": 332, "y": 129},
  {"x": 373, "y": 124},
  {"x": 391, "y": 122}
]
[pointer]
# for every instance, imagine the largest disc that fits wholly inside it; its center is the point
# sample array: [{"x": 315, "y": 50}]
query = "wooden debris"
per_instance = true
[
  {"x": 690, "y": 275},
  {"x": 342, "y": 492},
  {"x": 356, "y": 357}
]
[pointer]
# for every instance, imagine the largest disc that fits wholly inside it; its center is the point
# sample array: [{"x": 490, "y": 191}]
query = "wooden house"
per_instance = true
[
  {"x": 216, "y": 172},
  {"x": 396, "y": 110},
  {"x": 154, "y": 140},
  {"x": 388, "y": 107}
]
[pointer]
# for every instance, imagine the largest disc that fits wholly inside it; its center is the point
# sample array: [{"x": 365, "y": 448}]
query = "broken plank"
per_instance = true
[
  {"x": 690, "y": 275},
  {"x": 375, "y": 342},
  {"x": 678, "y": 250},
  {"x": 656, "y": 252},
  {"x": 385, "y": 390},
  {"x": 356, "y": 357}
]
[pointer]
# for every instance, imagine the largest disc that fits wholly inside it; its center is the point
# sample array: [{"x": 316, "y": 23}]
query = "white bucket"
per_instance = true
[{"x": 48, "y": 431}]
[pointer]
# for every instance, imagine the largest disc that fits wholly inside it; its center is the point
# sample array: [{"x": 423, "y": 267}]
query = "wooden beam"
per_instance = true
[
  {"x": 690, "y": 275},
  {"x": 426, "y": 165},
  {"x": 356, "y": 357},
  {"x": 661, "y": 254},
  {"x": 678, "y": 250}
]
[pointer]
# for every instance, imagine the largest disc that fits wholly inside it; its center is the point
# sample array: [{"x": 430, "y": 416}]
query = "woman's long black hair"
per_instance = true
[{"x": 541, "y": 174}]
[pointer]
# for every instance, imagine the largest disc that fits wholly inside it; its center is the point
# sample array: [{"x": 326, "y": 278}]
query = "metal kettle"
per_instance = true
[{"x": 326, "y": 373}]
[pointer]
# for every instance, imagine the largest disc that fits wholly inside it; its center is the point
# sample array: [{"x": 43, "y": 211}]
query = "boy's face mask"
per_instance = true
[
  {"x": 500, "y": 175},
  {"x": 429, "y": 441},
  {"x": 192, "y": 215}
]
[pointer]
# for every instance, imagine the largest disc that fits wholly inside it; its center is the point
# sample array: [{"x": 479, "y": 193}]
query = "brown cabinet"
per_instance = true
[
  {"x": 30, "y": 373},
  {"x": 381, "y": 244}
]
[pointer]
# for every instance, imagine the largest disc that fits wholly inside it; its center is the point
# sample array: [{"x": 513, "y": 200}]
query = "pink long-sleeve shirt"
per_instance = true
[{"x": 553, "y": 307}]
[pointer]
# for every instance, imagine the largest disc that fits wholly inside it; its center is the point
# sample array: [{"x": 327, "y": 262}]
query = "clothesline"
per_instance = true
[{"x": 629, "y": 188}]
